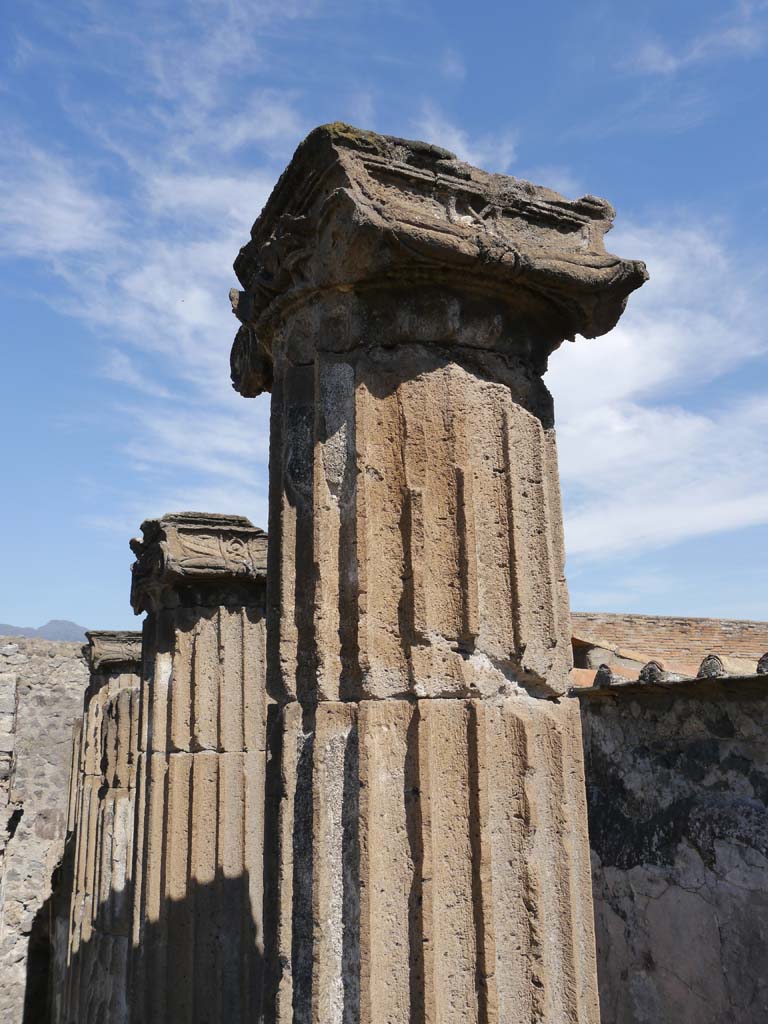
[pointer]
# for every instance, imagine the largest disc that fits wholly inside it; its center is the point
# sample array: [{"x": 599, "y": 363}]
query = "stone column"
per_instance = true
[
  {"x": 197, "y": 935},
  {"x": 427, "y": 855},
  {"x": 101, "y": 833},
  {"x": 63, "y": 888}
]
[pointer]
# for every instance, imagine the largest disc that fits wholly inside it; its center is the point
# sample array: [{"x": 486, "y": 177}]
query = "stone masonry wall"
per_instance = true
[
  {"x": 8, "y": 813},
  {"x": 41, "y": 696},
  {"x": 675, "y": 638},
  {"x": 677, "y": 788}
]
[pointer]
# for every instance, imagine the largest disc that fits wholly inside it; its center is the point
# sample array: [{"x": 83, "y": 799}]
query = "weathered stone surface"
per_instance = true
[
  {"x": 426, "y": 852},
  {"x": 112, "y": 647},
  {"x": 416, "y": 492},
  {"x": 430, "y": 864},
  {"x": 356, "y": 212},
  {"x": 182, "y": 558},
  {"x": 89, "y": 983},
  {"x": 196, "y": 924},
  {"x": 677, "y": 786},
  {"x": 401, "y": 306},
  {"x": 45, "y": 687}
]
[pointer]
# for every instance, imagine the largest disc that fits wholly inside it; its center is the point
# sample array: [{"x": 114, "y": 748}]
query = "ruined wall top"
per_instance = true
[
  {"x": 198, "y": 558},
  {"x": 108, "y": 647},
  {"x": 356, "y": 211}
]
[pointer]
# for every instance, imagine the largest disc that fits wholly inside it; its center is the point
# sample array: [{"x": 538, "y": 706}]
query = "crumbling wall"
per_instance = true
[
  {"x": 677, "y": 788},
  {"x": 41, "y": 695}
]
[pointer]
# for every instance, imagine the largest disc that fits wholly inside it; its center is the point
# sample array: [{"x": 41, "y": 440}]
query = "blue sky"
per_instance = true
[{"x": 139, "y": 142}]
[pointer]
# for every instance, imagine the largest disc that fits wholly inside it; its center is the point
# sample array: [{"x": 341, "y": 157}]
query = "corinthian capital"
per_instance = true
[
  {"x": 196, "y": 558},
  {"x": 360, "y": 217}
]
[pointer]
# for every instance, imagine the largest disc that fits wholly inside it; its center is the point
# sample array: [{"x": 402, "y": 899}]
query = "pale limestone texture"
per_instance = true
[
  {"x": 89, "y": 979},
  {"x": 41, "y": 693},
  {"x": 196, "y": 930},
  {"x": 426, "y": 852}
]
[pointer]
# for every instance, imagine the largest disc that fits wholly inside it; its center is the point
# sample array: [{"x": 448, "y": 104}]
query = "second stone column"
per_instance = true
[{"x": 197, "y": 931}]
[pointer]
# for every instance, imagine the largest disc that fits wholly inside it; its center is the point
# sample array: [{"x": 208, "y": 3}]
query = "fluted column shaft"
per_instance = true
[
  {"x": 102, "y": 820},
  {"x": 196, "y": 931},
  {"x": 429, "y": 858},
  {"x": 429, "y": 864},
  {"x": 427, "y": 854},
  {"x": 415, "y": 530}
]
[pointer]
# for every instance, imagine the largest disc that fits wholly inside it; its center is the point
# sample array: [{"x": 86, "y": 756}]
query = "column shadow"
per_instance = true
[{"x": 200, "y": 961}]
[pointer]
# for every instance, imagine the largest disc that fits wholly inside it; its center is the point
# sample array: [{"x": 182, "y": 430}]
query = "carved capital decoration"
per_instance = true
[
  {"x": 196, "y": 557},
  {"x": 356, "y": 213},
  {"x": 109, "y": 647}
]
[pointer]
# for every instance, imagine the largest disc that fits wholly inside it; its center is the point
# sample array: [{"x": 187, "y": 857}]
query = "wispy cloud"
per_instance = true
[
  {"x": 124, "y": 513},
  {"x": 154, "y": 279},
  {"x": 741, "y": 32},
  {"x": 121, "y": 368},
  {"x": 196, "y": 147},
  {"x": 47, "y": 208},
  {"x": 213, "y": 198},
  {"x": 147, "y": 265},
  {"x": 492, "y": 152},
  {"x": 652, "y": 111}
]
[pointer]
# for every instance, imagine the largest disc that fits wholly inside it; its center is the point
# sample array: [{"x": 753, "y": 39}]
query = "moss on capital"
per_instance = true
[{"x": 344, "y": 134}]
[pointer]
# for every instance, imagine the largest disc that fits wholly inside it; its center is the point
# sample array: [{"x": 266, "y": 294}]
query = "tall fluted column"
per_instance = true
[
  {"x": 197, "y": 933},
  {"x": 427, "y": 856},
  {"x": 101, "y": 823}
]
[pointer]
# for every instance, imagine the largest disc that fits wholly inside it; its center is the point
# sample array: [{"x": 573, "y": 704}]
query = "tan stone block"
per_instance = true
[
  {"x": 335, "y": 895},
  {"x": 432, "y": 864},
  {"x": 391, "y": 947}
]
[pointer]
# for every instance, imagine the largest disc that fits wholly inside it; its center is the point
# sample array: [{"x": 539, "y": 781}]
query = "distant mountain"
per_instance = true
[{"x": 56, "y": 629}]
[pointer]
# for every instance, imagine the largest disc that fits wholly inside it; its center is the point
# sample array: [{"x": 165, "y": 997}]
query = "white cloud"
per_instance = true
[
  {"x": 48, "y": 207},
  {"x": 491, "y": 152},
  {"x": 653, "y": 110},
  {"x": 701, "y": 313},
  {"x": 151, "y": 272},
  {"x": 639, "y": 470},
  {"x": 648, "y": 477},
  {"x": 160, "y": 296},
  {"x": 361, "y": 106},
  {"x": 226, "y": 442},
  {"x": 266, "y": 117},
  {"x": 128, "y": 512},
  {"x": 184, "y": 72},
  {"x": 209, "y": 196}
]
